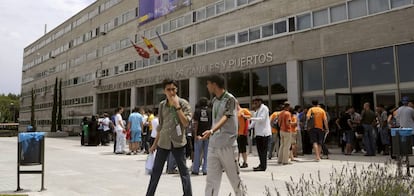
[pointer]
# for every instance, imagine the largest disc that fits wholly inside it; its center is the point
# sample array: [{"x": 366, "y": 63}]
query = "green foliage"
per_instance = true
[
  {"x": 9, "y": 106},
  {"x": 373, "y": 180}
]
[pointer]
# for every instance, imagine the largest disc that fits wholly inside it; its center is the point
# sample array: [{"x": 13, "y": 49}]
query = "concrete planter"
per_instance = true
[{"x": 57, "y": 134}]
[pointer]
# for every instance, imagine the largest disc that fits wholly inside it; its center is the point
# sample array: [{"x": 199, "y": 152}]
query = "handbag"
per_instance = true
[
  {"x": 310, "y": 123},
  {"x": 149, "y": 164}
]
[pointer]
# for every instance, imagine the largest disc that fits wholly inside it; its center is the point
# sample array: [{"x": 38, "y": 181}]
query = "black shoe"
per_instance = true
[
  {"x": 259, "y": 169},
  {"x": 175, "y": 171},
  {"x": 194, "y": 173},
  {"x": 244, "y": 165},
  {"x": 204, "y": 173}
]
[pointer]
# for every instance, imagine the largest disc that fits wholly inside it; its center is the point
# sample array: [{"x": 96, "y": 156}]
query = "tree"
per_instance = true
[
  {"x": 32, "y": 110},
  {"x": 54, "y": 109},
  {"x": 59, "y": 117}
]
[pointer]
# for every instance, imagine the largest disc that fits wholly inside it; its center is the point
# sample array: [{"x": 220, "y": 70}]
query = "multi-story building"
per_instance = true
[{"x": 337, "y": 51}]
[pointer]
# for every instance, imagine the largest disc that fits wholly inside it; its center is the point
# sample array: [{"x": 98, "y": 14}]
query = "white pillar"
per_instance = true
[
  {"x": 293, "y": 82},
  {"x": 193, "y": 92},
  {"x": 95, "y": 104},
  {"x": 133, "y": 98}
]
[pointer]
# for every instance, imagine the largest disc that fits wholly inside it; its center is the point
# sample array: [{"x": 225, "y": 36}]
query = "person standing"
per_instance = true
[
  {"x": 243, "y": 116},
  {"x": 154, "y": 124},
  {"x": 202, "y": 122},
  {"x": 317, "y": 117},
  {"x": 405, "y": 114},
  {"x": 174, "y": 117},
  {"x": 367, "y": 120},
  {"x": 275, "y": 143},
  {"x": 147, "y": 137},
  {"x": 261, "y": 125},
  {"x": 285, "y": 118},
  {"x": 144, "y": 131},
  {"x": 135, "y": 125},
  {"x": 106, "y": 122},
  {"x": 222, "y": 152},
  {"x": 120, "y": 132},
  {"x": 383, "y": 129}
]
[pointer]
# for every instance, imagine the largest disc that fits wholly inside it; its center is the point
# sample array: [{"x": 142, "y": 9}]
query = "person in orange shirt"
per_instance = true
[
  {"x": 285, "y": 135},
  {"x": 274, "y": 144},
  {"x": 294, "y": 131},
  {"x": 320, "y": 126},
  {"x": 243, "y": 115}
]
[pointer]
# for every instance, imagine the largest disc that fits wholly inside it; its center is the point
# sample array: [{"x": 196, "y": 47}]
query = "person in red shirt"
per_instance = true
[{"x": 243, "y": 116}]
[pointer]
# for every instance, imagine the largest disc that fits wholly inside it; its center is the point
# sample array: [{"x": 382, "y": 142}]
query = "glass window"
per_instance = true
[
  {"x": 201, "y": 47},
  {"x": 406, "y": 62},
  {"x": 180, "y": 53},
  {"x": 267, "y": 30},
  {"x": 241, "y": 2},
  {"x": 399, "y": 3},
  {"x": 304, "y": 21},
  {"x": 278, "y": 79},
  {"x": 238, "y": 82},
  {"x": 219, "y": 7},
  {"x": 260, "y": 81},
  {"x": 184, "y": 89},
  {"x": 357, "y": 8},
  {"x": 201, "y": 14},
  {"x": 243, "y": 36},
  {"x": 188, "y": 51},
  {"x": 280, "y": 27},
  {"x": 210, "y": 11},
  {"x": 229, "y": 4},
  {"x": 254, "y": 33},
  {"x": 373, "y": 67},
  {"x": 173, "y": 55},
  {"x": 210, "y": 45},
  {"x": 336, "y": 72},
  {"x": 114, "y": 99},
  {"x": 180, "y": 22},
  {"x": 230, "y": 40},
  {"x": 149, "y": 95},
  {"x": 338, "y": 13},
  {"x": 166, "y": 27},
  {"x": 188, "y": 19},
  {"x": 221, "y": 42},
  {"x": 159, "y": 93},
  {"x": 320, "y": 17},
  {"x": 165, "y": 57},
  {"x": 173, "y": 24},
  {"x": 312, "y": 75},
  {"x": 376, "y": 6}
]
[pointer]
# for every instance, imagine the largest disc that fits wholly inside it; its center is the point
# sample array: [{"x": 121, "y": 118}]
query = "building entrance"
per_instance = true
[{"x": 353, "y": 99}]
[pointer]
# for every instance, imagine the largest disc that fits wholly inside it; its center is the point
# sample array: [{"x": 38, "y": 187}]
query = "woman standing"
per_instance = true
[{"x": 120, "y": 132}]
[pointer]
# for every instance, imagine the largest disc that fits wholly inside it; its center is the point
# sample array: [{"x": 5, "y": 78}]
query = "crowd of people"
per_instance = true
[{"x": 215, "y": 136}]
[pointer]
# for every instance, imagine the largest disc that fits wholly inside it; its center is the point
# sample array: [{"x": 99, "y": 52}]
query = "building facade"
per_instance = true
[{"x": 339, "y": 52}]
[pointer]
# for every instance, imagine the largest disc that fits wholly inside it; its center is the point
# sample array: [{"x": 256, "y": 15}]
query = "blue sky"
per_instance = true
[{"x": 21, "y": 23}]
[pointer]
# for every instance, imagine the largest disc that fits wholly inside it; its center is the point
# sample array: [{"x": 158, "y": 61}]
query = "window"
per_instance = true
[
  {"x": 230, "y": 40},
  {"x": 260, "y": 81},
  {"x": 278, "y": 79},
  {"x": 267, "y": 30},
  {"x": 304, "y": 21},
  {"x": 165, "y": 57},
  {"x": 254, "y": 33},
  {"x": 210, "y": 11},
  {"x": 336, "y": 72},
  {"x": 357, "y": 8},
  {"x": 229, "y": 4},
  {"x": 180, "y": 53},
  {"x": 376, "y": 6},
  {"x": 173, "y": 24},
  {"x": 320, "y": 18},
  {"x": 399, "y": 3},
  {"x": 219, "y": 7},
  {"x": 166, "y": 27},
  {"x": 312, "y": 75},
  {"x": 180, "y": 22},
  {"x": 173, "y": 55},
  {"x": 188, "y": 19},
  {"x": 291, "y": 24},
  {"x": 221, "y": 42},
  {"x": 158, "y": 29},
  {"x": 188, "y": 51},
  {"x": 338, "y": 13},
  {"x": 149, "y": 95},
  {"x": 201, "y": 14},
  {"x": 210, "y": 45},
  {"x": 140, "y": 96},
  {"x": 241, "y": 2},
  {"x": 280, "y": 27},
  {"x": 238, "y": 82},
  {"x": 373, "y": 67},
  {"x": 405, "y": 62},
  {"x": 243, "y": 36}
]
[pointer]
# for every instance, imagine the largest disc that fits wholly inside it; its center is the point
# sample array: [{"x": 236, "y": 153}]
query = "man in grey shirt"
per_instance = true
[
  {"x": 405, "y": 114},
  {"x": 222, "y": 150}
]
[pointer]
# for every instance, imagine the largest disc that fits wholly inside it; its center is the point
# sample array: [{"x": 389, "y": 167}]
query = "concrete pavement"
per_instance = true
[{"x": 71, "y": 169}]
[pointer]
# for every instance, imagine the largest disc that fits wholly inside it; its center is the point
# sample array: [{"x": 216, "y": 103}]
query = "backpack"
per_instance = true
[
  {"x": 310, "y": 123},
  {"x": 275, "y": 122}
]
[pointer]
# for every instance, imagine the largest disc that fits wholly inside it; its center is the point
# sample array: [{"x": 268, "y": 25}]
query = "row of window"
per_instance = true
[
  {"x": 66, "y": 102},
  {"x": 68, "y": 28},
  {"x": 366, "y": 68}
]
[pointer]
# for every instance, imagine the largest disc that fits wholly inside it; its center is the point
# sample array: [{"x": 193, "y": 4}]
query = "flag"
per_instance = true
[
  {"x": 143, "y": 18},
  {"x": 150, "y": 45},
  {"x": 140, "y": 51},
  {"x": 162, "y": 42}
]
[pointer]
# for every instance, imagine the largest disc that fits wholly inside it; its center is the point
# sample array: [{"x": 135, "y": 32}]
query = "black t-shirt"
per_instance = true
[
  {"x": 343, "y": 121},
  {"x": 204, "y": 119}
]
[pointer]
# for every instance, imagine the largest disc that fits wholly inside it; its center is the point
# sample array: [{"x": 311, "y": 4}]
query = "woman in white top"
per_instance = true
[
  {"x": 120, "y": 132},
  {"x": 154, "y": 123}
]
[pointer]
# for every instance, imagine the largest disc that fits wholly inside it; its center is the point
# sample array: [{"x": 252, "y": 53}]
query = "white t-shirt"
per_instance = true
[
  {"x": 105, "y": 123},
  {"x": 118, "y": 118},
  {"x": 154, "y": 123}
]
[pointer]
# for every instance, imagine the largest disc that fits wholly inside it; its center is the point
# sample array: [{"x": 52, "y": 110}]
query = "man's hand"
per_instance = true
[
  {"x": 206, "y": 134},
  {"x": 174, "y": 101},
  {"x": 153, "y": 148},
  {"x": 199, "y": 137}
]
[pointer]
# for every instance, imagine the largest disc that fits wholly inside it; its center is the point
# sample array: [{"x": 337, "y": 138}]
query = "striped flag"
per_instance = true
[
  {"x": 150, "y": 45},
  {"x": 164, "y": 46},
  {"x": 141, "y": 51}
]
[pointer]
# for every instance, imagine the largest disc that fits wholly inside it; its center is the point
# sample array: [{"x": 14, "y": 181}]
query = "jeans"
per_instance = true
[
  {"x": 160, "y": 158},
  {"x": 369, "y": 139},
  {"x": 171, "y": 163},
  {"x": 200, "y": 146},
  {"x": 273, "y": 144},
  {"x": 261, "y": 143}
]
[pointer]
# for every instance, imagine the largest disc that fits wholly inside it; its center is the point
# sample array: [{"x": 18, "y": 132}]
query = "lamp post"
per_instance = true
[{"x": 12, "y": 110}]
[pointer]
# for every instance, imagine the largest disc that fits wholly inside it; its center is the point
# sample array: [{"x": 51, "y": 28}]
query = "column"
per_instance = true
[
  {"x": 293, "y": 82},
  {"x": 95, "y": 104},
  {"x": 193, "y": 92},
  {"x": 133, "y": 98}
]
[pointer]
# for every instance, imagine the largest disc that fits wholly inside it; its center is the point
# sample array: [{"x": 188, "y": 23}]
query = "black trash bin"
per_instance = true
[{"x": 402, "y": 141}]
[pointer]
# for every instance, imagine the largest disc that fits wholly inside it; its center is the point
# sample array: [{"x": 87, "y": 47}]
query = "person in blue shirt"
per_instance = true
[{"x": 135, "y": 125}]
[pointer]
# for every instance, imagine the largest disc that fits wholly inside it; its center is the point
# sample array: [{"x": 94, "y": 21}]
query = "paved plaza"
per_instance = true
[{"x": 71, "y": 169}]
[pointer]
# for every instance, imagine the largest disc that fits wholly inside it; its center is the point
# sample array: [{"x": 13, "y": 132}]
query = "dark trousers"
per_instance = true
[
  {"x": 160, "y": 158},
  {"x": 261, "y": 143},
  {"x": 114, "y": 136}
]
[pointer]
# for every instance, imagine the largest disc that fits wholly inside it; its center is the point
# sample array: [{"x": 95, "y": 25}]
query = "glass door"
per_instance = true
[
  {"x": 388, "y": 99},
  {"x": 342, "y": 101}
]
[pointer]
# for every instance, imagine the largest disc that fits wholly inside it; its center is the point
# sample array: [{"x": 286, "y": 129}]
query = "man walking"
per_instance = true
[
  {"x": 261, "y": 125},
  {"x": 367, "y": 120},
  {"x": 202, "y": 122},
  {"x": 317, "y": 125},
  {"x": 243, "y": 116},
  {"x": 405, "y": 114},
  {"x": 222, "y": 149},
  {"x": 174, "y": 117}
]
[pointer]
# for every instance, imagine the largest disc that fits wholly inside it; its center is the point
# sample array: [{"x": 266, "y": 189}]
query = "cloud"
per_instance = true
[{"x": 23, "y": 23}]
